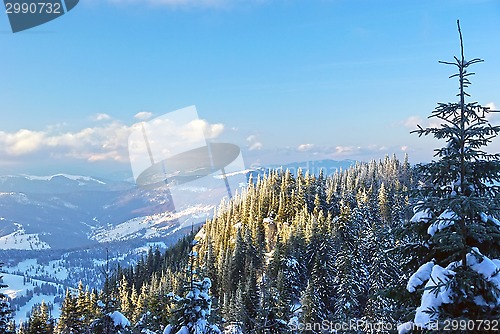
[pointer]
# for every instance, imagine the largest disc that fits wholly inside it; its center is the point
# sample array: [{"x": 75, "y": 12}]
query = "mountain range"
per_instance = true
[{"x": 69, "y": 211}]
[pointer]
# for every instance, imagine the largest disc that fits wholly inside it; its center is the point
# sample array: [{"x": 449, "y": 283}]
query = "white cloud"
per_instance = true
[
  {"x": 210, "y": 131},
  {"x": 143, "y": 115},
  {"x": 411, "y": 122},
  {"x": 346, "y": 150},
  {"x": 105, "y": 142},
  {"x": 253, "y": 143},
  {"x": 21, "y": 142},
  {"x": 363, "y": 153},
  {"x": 491, "y": 105},
  {"x": 305, "y": 147},
  {"x": 255, "y": 146},
  {"x": 109, "y": 141},
  {"x": 493, "y": 116},
  {"x": 251, "y": 138},
  {"x": 102, "y": 117}
]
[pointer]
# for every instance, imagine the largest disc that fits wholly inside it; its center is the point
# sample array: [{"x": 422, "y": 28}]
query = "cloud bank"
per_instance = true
[{"x": 106, "y": 141}]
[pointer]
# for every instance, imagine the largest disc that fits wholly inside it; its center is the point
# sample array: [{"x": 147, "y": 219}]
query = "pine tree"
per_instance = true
[
  {"x": 349, "y": 268},
  {"x": 40, "y": 321},
  {"x": 195, "y": 307},
  {"x": 69, "y": 320},
  {"x": 457, "y": 233},
  {"x": 5, "y": 310}
]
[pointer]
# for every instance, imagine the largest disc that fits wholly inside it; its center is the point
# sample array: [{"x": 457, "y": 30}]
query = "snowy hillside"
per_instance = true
[
  {"x": 153, "y": 226},
  {"x": 25, "y": 293},
  {"x": 19, "y": 239},
  {"x": 33, "y": 276}
]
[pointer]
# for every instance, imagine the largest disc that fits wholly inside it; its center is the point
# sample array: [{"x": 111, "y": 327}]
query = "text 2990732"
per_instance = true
[{"x": 33, "y": 8}]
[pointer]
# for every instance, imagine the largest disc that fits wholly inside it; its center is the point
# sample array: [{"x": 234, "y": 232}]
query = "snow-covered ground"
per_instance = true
[
  {"x": 31, "y": 267},
  {"x": 18, "y": 287},
  {"x": 19, "y": 239},
  {"x": 79, "y": 178},
  {"x": 148, "y": 227}
]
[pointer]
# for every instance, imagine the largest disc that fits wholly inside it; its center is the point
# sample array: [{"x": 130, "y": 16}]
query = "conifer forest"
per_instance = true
[{"x": 381, "y": 247}]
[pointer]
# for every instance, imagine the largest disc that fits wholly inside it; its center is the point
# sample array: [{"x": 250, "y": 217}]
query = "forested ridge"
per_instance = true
[
  {"x": 309, "y": 248},
  {"x": 288, "y": 250}
]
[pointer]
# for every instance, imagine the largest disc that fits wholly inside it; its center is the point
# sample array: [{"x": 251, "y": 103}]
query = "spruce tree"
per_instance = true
[
  {"x": 312, "y": 307},
  {"x": 349, "y": 269},
  {"x": 83, "y": 306},
  {"x": 40, "y": 321},
  {"x": 195, "y": 307},
  {"x": 5, "y": 310},
  {"x": 458, "y": 235},
  {"x": 70, "y": 320}
]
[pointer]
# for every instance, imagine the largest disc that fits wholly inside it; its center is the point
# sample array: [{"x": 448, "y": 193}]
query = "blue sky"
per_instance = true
[{"x": 287, "y": 80}]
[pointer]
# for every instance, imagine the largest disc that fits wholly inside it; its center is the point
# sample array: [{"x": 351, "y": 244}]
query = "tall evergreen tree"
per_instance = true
[
  {"x": 458, "y": 235},
  {"x": 70, "y": 320},
  {"x": 349, "y": 268},
  {"x": 5, "y": 310},
  {"x": 195, "y": 307},
  {"x": 40, "y": 321}
]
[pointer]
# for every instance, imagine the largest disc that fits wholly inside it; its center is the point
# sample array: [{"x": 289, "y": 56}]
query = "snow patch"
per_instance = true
[
  {"x": 486, "y": 267},
  {"x": 435, "y": 294},
  {"x": 78, "y": 178},
  {"x": 405, "y": 328},
  {"x": 484, "y": 217},
  {"x": 148, "y": 227},
  {"x": 30, "y": 267},
  {"x": 17, "y": 286},
  {"x": 119, "y": 319},
  {"x": 21, "y": 240},
  {"x": 421, "y": 276},
  {"x": 446, "y": 219},
  {"x": 421, "y": 216}
]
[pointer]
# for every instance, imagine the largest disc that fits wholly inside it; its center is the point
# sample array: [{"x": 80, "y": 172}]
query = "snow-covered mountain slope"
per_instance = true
[
  {"x": 69, "y": 211},
  {"x": 33, "y": 276},
  {"x": 152, "y": 226},
  {"x": 19, "y": 239},
  {"x": 25, "y": 293},
  {"x": 58, "y": 183}
]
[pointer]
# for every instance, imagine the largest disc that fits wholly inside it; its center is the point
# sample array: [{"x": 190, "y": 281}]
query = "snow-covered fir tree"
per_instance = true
[
  {"x": 5, "y": 310},
  {"x": 457, "y": 235},
  {"x": 40, "y": 321},
  {"x": 195, "y": 307},
  {"x": 287, "y": 251}
]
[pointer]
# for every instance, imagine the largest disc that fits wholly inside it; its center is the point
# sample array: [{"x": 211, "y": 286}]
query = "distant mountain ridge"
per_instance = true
[
  {"x": 328, "y": 166},
  {"x": 64, "y": 210},
  {"x": 71, "y": 211},
  {"x": 58, "y": 183}
]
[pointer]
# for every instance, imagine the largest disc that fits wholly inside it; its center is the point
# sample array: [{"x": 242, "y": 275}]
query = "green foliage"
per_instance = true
[
  {"x": 40, "y": 321},
  {"x": 318, "y": 264},
  {"x": 288, "y": 249},
  {"x": 5, "y": 310}
]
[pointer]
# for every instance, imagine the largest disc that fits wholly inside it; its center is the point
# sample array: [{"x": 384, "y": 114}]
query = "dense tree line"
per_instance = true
[
  {"x": 304, "y": 249},
  {"x": 289, "y": 249}
]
